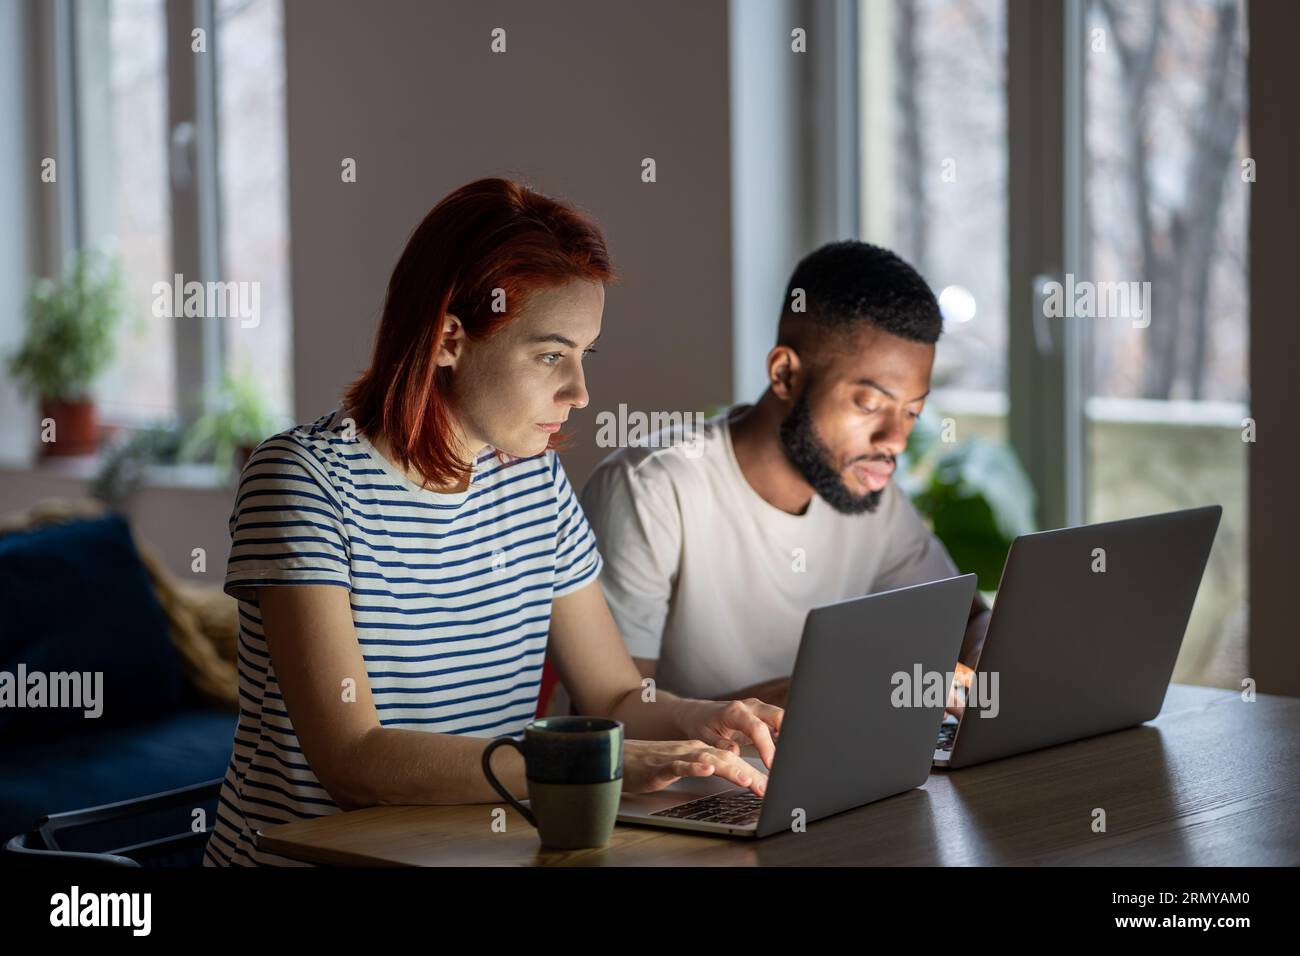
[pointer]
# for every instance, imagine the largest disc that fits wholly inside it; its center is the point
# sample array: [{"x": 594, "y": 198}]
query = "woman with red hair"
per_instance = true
[{"x": 438, "y": 551}]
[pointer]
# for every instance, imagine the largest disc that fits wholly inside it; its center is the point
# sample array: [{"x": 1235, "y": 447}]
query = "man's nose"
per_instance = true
[{"x": 892, "y": 436}]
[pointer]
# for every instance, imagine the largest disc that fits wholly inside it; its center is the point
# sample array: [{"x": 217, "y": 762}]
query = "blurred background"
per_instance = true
[{"x": 995, "y": 144}]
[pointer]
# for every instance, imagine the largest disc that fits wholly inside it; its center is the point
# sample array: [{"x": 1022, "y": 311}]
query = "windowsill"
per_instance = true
[
  {"x": 1097, "y": 408},
  {"x": 86, "y": 468}
]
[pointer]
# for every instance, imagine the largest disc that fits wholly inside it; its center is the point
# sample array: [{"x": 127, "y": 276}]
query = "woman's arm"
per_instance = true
[
  {"x": 596, "y": 668},
  {"x": 314, "y": 649}
]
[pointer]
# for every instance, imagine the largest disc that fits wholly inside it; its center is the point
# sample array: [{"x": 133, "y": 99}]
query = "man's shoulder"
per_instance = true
[{"x": 674, "y": 455}]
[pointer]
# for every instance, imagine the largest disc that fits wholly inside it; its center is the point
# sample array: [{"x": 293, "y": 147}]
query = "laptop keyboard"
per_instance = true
[
  {"x": 947, "y": 733},
  {"x": 734, "y": 808}
]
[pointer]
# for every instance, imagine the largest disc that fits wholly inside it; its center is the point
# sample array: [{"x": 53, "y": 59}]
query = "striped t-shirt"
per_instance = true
[{"x": 451, "y": 599}]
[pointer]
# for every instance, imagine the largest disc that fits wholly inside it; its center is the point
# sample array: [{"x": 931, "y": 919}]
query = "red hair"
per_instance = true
[{"x": 487, "y": 235}]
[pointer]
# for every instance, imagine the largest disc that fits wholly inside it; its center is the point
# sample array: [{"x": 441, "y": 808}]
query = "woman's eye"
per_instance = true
[{"x": 553, "y": 358}]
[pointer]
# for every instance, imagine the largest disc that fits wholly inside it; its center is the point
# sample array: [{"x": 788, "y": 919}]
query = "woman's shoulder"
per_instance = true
[{"x": 322, "y": 446}]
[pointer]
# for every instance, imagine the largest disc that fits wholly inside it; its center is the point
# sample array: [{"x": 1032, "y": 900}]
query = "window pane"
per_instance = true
[
  {"x": 254, "y": 197},
  {"x": 1167, "y": 341},
  {"x": 934, "y": 181},
  {"x": 121, "y": 75}
]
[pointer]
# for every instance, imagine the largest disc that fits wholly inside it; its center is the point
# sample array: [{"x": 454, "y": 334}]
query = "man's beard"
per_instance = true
[{"x": 809, "y": 454}]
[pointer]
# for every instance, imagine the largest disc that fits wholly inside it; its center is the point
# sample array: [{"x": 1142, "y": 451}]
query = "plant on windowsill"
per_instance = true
[
  {"x": 975, "y": 494},
  {"x": 69, "y": 340},
  {"x": 124, "y": 463},
  {"x": 238, "y": 418}
]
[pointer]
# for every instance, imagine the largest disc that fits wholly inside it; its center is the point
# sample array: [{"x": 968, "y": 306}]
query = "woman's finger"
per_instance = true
[{"x": 738, "y": 771}]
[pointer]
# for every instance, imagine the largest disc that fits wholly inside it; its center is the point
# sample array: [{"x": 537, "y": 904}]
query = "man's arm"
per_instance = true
[
  {"x": 772, "y": 691},
  {"x": 977, "y": 626},
  {"x": 777, "y": 690},
  {"x": 593, "y": 663},
  {"x": 968, "y": 657}
]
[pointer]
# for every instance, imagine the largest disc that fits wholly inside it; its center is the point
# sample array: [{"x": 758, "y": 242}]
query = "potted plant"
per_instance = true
[
  {"x": 237, "y": 419},
  {"x": 975, "y": 494},
  {"x": 69, "y": 341},
  {"x": 128, "y": 455}
]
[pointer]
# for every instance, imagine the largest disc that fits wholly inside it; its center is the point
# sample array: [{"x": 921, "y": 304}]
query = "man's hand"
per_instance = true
[{"x": 957, "y": 694}]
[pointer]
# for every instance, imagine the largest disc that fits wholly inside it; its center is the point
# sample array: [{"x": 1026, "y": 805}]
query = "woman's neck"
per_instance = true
[{"x": 382, "y": 446}]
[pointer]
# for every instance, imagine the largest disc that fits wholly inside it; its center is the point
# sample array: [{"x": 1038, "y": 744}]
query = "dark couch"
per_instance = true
[{"x": 75, "y": 597}]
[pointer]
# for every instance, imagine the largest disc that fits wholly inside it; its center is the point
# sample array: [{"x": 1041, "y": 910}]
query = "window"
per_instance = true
[
  {"x": 124, "y": 200},
  {"x": 1166, "y": 204},
  {"x": 254, "y": 193},
  {"x": 1136, "y": 112},
  {"x": 181, "y": 169},
  {"x": 934, "y": 162}
]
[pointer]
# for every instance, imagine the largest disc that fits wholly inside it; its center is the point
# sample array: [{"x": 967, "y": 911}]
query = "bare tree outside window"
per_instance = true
[
  {"x": 1166, "y": 133},
  {"x": 1166, "y": 202},
  {"x": 950, "y": 207}
]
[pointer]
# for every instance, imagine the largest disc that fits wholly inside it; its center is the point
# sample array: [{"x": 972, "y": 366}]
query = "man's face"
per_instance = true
[{"x": 852, "y": 413}]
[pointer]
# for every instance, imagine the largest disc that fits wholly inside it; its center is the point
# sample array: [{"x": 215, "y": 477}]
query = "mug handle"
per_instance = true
[{"x": 496, "y": 784}]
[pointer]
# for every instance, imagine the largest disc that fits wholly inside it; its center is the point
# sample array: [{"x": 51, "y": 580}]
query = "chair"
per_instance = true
[{"x": 61, "y": 838}]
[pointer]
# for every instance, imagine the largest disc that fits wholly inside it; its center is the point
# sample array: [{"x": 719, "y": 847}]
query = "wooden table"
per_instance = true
[{"x": 1213, "y": 780}]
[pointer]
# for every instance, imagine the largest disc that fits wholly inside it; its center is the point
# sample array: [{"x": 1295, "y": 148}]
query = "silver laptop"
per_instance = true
[
  {"x": 845, "y": 741},
  {"x": 1084, "y": 634}
]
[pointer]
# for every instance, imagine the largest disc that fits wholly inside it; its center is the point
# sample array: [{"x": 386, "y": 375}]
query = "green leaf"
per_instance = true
[
  {"x": 69, "y": 337},
  {"x": 978, "y": 500}
]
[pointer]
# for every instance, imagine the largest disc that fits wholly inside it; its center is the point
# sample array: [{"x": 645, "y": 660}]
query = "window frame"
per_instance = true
[{"x": 193, "y": 184}]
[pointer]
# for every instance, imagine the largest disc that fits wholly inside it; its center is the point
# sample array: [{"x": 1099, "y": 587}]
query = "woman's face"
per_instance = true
[{"x": 514, "y": 389}]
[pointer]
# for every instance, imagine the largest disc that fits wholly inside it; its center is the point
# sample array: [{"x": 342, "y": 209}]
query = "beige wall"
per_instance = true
[
  {"x": 409, "y": 89},
  {"x": 585, "y": 91}
]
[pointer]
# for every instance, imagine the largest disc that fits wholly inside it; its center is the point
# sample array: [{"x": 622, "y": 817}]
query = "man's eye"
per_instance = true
[
  {"x": 552, "y": 357},
  {"x": 913, "y": 415}
]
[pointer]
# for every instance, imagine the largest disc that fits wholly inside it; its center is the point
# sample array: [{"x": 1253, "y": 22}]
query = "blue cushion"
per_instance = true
[
  {"x": 98, "y": 766},
  {"x": 76, "y": 598}
]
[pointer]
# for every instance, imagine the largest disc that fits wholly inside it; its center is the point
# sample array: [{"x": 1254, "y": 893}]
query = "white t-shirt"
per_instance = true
[{"x": 706, "y": 577}]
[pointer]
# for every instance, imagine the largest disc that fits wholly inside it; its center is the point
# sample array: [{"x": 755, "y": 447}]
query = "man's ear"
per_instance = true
[
  {"x": 783, "y": 371},
  {"x": 452, "y": 345}
]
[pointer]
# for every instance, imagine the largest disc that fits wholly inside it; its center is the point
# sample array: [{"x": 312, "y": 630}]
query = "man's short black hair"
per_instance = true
[{"x": 848, "y": 283}]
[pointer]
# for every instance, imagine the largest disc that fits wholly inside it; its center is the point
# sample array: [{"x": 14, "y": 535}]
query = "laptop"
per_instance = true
[
  {"x": 1084, "y": 634},
  {"x": 844, "y": 740}
]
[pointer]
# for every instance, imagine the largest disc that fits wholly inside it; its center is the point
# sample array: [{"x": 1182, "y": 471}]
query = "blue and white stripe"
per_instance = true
[{"x": 451, "y": 600}]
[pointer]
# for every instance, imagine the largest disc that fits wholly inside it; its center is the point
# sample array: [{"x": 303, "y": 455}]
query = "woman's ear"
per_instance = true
[{"x": 452, "y": 345}]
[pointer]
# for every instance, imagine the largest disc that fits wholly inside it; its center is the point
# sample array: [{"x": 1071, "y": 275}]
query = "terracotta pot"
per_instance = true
[{"x": 76, "y": 428}]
